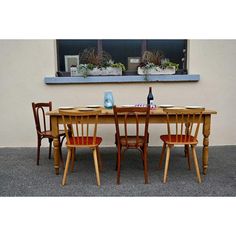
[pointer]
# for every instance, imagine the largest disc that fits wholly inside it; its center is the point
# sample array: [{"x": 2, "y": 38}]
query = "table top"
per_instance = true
[{"x": 107, "y": 112}]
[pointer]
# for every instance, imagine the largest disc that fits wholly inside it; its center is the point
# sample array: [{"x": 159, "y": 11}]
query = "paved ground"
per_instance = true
[{"x": 19, "y": 175}]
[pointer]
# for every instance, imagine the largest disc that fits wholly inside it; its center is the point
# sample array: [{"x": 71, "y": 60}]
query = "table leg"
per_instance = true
[
  {"x": 56, "y": 149},
  {"x": 206, "y": 132},
  {"x": 56, "y": 144}
]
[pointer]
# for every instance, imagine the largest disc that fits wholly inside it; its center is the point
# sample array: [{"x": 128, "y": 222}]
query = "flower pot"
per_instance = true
[
  {"x": 156, "y": 71},
  {"x": 103, "y": 71}
]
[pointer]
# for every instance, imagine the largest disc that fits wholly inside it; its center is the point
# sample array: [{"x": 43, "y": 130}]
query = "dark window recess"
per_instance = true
[
  {"x": 71, "y": 47},
  {"x": 121, "y": 49},
  {"x": 172, "y": 49}
]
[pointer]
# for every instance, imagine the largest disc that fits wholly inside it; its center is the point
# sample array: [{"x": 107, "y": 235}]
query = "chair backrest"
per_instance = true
[
  {"x": 121, "y": 115},
  {"x": 39, "y": 111},
  {"x": 81, "y": 125},
  {"x": 184, "y": 122}
]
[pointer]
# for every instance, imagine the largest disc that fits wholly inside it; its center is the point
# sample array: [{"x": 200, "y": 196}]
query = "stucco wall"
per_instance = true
[{"x": 24, "y": 63}]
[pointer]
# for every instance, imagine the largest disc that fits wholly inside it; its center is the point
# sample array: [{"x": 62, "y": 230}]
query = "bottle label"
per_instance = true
[{"x": 151, "y": 102}]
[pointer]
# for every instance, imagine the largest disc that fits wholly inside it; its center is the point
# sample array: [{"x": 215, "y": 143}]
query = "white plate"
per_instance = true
[
  {"x": 94, "y": 106},
  {"x": 127, "y": 105},
  {"x": 85, "y": 109},
  {"x": 166, "y": 106},
  {"x": 66, "y": 108},
  {"x": 193, "y": 107}
]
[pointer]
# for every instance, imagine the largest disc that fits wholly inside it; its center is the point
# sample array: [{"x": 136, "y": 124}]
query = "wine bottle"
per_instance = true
[{"x": 150, "y": 98}]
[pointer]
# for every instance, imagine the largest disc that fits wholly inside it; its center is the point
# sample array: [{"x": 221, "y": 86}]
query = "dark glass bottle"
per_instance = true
[{"x": 150, "y": 98}]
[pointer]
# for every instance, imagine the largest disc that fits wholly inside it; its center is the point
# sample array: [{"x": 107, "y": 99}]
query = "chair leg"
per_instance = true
[
  {"x": 196, "y": 163},
  {"x": 118, "y": 165},
  {"x": 61, "y": 158},
  {"x": 72, "y": 160},
  {"x": 145, "y": 165},
  {"x": 116, "y": 160},
  {"x": 187, "y": 154},
  {"x": 99, "y": 159},
  {"x": 38, "y": 149},
  {"x": 166, "y": 164},
  {"x": 122, "y": 154},
  {"x": 67, "y": 166},
  {"x": 96, "y": 166},
  {"x": 50, "y": 148},
  {"x": 185, "y": 150},
  {"x": 162, "y": 155}
]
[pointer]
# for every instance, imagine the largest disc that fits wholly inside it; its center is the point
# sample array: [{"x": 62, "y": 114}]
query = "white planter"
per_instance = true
[
  {"x": 157, "y": 71},
  {"x": 104, "y": 71}
]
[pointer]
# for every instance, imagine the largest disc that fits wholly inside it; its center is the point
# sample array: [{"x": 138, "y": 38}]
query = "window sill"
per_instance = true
[{"x": 121, "y": 79}]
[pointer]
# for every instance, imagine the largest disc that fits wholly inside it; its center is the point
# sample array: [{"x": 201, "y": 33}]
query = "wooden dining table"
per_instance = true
[{"x": 157, "y": 116}]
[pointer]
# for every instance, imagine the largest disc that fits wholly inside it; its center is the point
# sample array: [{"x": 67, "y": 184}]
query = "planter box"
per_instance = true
[
  {"x": 157, "y": 71},
  {"x": 103, "y": 71}
]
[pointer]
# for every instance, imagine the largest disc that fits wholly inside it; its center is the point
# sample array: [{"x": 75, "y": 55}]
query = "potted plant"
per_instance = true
[
  {"x": 154, "y": 63},
  {"x": 94, "y": 63}
]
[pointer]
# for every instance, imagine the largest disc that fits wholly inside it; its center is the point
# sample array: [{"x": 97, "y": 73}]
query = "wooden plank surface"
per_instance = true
[{"x": 107, "y": 112}]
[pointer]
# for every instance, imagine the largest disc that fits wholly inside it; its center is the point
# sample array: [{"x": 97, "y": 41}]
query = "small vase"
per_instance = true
[{"x": 108, "y": 100}]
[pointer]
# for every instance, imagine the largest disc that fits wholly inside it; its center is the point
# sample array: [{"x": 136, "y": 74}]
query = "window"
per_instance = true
[
  {"x": 172, "y": 49},
  {"x": 122, "y": 49},
  {"x": 71, "y": 47}
]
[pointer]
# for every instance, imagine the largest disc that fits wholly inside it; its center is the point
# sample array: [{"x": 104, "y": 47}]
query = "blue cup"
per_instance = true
[{"x": 108, "y": 100}]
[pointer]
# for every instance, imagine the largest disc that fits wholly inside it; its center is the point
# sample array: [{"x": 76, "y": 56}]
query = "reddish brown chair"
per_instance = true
[
  {"x": 181, "y": 118},
  {"x": 127, "y": 141},
  {"x": 81, "y": 134},
  {"x": 42, "y": 128}
]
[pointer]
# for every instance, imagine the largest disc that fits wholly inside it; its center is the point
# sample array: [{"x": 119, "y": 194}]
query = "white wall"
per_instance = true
[{"x": 24, "y": 63}]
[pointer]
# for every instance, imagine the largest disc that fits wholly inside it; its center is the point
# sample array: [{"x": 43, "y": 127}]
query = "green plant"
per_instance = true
[
  {"x": 90, "y": 66},
  {"x": 153, "y": 60},
  {"x": 83, "y": 69},
  {"x": 170, "y": 64},
  {"x": 92, "y": 56},
  {"x": 118, "y": 65},
  {"x": 91, "y": 59},
  {"x": 152, "y": 57}
]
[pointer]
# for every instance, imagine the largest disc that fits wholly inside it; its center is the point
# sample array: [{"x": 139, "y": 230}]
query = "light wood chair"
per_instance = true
[
  {"x": 125, "y": 140},
  {"x": 81, "y": 132},
  {"x": 43, "y": 127},
  {"x": 185, "y": 123}
]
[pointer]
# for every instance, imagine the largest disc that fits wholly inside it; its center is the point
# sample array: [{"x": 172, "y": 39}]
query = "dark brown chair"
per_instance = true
[
  {"x": 125, "y": 140},
  {"x": 43, "y": 129},
  {"x": 81, "y": 134},
  {"x": 178, "y": 135}
]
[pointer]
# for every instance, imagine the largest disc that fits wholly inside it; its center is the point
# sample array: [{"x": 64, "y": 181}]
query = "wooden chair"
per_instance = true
[
  {"x": 81, "y": 135},
  {"x": 43, "y": 129},
  {"x": 126, "y": 140},
  {"x": 181, "y": 118}
]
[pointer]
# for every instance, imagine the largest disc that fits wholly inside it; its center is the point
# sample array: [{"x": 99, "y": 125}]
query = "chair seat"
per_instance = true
[
  {"x": 48, "y": 133},
  {"x": 84, "y": 141},
  {"x": 186, "y": 139},
  {"x": 131, "y": 141}
]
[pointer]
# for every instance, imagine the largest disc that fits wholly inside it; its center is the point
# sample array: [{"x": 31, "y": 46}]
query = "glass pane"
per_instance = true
[
  {"x": 172, "y": 49},
  {"x": 121, "y": 49},
  {"x": 72, "y": 47}
]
